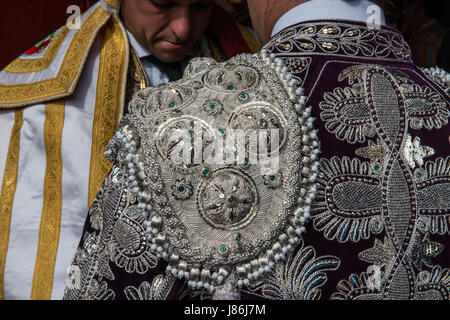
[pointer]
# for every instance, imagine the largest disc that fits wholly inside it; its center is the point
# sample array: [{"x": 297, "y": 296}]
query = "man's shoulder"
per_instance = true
[{"x": 236, "y": 79}]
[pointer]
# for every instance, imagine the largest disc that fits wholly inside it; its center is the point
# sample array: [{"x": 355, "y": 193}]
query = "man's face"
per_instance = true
[{"x": 166, "y": 28}]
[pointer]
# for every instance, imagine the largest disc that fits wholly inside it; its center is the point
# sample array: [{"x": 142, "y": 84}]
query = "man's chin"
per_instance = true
[
  {"x": 169, "y": 53},
  {"x": 170, "y": 56}
]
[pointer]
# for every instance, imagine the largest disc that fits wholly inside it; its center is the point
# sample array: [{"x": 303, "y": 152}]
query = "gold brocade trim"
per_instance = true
[
  {"x": 22, "y": 94},
  {"x": 115, "y": 4},
  {"x": 39, "y": 64},
  {"x": 52, "y": 203},
  {"x": 108, "y": 105},
  {"x": 137, "y": 78},
  {"x": 140, "y": 74},
  {"x": 7, "y": 193},
  {"x": 248, "y": 36}
]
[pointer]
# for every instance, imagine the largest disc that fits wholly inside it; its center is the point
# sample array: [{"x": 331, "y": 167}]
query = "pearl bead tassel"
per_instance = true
[
  {"x": 439, "y": 75},
  {"x": 247, "y": 273}
]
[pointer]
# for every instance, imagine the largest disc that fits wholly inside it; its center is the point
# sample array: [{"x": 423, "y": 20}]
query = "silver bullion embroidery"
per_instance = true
[{"x": 393, "y": 180}]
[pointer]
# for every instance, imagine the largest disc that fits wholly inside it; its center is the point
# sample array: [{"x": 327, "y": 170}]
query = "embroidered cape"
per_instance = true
[{"x": 374, "y": 203}]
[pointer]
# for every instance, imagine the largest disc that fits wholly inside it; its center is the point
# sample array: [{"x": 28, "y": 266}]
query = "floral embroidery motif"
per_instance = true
[
  {"x": 272, "y": 181},
  {"x": 425, "y": 251},
  {"x": 348, "y": 198},
  {"x": 144, "y": 292},
  {"x": 426, "y": 108},
  {"x": 98, "y": 291},
  {"x": 433, "y": 195},
  {"x": 435, "y": 284},
  {"x": 182, "y": 189},
  {"x": 340, "y": 38},
  {"x": 228, "y": 199},
  {"x": 347, "y": 115},
  {"x": 161, "y": 102},
  {"x": 414, "y": 152},
  {"x": 301, "y": 278},
  {"x": 380, "y": 254},
  {"x": 213, "y": 107},
  {"x": 158, "y": 290},
  {"x": 357, "y": 286}
]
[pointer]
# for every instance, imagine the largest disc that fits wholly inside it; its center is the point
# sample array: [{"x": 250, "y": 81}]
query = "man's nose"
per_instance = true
[{"x": 181, "y": 23}]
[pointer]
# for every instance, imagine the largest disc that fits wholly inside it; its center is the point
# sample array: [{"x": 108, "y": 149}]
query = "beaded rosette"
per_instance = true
[{"x": 222, "y": 222}]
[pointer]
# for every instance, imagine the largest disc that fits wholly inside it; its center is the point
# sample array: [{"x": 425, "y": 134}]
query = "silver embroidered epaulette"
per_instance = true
[{"x": 222, "y": 165}]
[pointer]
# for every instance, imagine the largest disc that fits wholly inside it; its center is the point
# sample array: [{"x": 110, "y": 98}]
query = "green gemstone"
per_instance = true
[
  {"x": 206, "y": 172},
  {"x": 171, "y": 105},
  {"x": 223, "y": 249},
  {"x": 132, "y": 210},
  {"x": 138, "y": 107},
  {"x": 198, "y": 69},
  {"x": 262, "y": 123},
  {"x": 222, "y": 130},
  {"x": 181, "y": 189},
  {"x": 191, "y": 133},
  {"x": 157, "y": 123},
  {"x": 377, "y": 168},
  {"x": 243, "y": 96},
  {"x": 230, "y": 87},
  {"x": 213, "y": 106},
  {"x": 231, "y": 200},
  {"x": 273, "y": 178}
]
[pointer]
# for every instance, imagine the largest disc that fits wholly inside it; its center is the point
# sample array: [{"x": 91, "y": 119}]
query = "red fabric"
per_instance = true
[
  {"x": 227, "y": 34},
  {"x": 24, "y": 23}
]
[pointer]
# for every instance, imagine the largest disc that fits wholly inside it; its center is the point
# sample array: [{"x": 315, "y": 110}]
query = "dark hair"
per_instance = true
[{"x": 432, "y": 8}]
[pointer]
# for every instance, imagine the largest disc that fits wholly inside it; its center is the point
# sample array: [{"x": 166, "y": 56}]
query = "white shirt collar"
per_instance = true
[
  {"x": 355, "y": 10},
  {"x": 140, "y": 50}
]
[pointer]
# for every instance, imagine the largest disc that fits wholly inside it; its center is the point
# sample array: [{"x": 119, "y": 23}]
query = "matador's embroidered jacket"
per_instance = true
[
  {"x": 357, "y": 208},
  {"x": 60, "y": 104}
]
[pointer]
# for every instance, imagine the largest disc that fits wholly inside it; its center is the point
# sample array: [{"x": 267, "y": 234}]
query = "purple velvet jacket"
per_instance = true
[{"x": 380, "y": 221}]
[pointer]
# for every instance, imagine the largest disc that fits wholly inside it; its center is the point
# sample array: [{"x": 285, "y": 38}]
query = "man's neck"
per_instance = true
[{"x": 354, "y": 10}]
